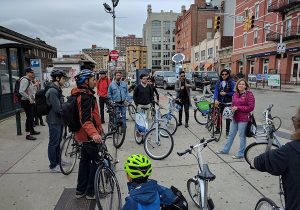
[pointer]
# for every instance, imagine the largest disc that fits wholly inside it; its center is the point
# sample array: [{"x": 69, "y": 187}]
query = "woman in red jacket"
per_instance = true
[{"x": 243, "y": 103}]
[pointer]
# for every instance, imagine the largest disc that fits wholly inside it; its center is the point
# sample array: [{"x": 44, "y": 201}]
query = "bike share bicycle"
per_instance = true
[
  {"x": 198, "y": 185},
  {"x": 158, "y": 142}
]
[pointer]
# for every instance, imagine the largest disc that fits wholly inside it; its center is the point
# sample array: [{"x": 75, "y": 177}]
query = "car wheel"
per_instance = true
[{"x": 165, "y": 86}]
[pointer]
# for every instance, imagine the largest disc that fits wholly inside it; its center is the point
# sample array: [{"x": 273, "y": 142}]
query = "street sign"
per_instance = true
[
  {"x": 239, "y": 19},
  {"x": 114, "y": 55},
  {"x": 274, "y": 80},
  {"x": 281, "y": 47},
  {"x": 178, "y": 57}
]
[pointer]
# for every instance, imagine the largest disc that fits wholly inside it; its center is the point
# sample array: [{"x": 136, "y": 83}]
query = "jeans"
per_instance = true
[
  {"x": 234, "y": 127},
  {"x": 102, "y": 101},
  {"x": 122, "y": 109},
  {"x": 29, "y": 110},
  {"x": 186, "y": 106},
  {"x": 37, "y": 117},
  {"x": 88, "y": 165},
  {"x": 55, "y": 137}
]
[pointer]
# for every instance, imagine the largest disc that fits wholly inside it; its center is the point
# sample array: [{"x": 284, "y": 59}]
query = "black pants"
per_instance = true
[
  {"x": 37, "y": 117},
  {"x": 29, "y": 108},
  {"x": 186, "y": 105},
  {"x": 88, "y": 165},
  {"x": 102, "y": 101},
  {"x": 222, "y": 107}
]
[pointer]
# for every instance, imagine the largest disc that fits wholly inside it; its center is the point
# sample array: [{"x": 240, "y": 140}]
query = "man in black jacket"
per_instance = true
[
  {"x": 143, "y": 95},
  {"x": 285, "y": 162}
]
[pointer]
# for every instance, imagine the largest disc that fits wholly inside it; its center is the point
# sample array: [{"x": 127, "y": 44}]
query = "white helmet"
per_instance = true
[{"x": 228, "y": 113}]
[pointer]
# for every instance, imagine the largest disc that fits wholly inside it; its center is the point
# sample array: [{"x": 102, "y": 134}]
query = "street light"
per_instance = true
[{"x": 111, "y": 10}]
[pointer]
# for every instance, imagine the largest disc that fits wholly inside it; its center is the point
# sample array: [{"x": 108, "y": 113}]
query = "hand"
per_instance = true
[
  {"x": 126, "y": 103},
  {"x": 217, "y": 102},
  {"x": 97, "y": 139},
  {"x": 182, "y": 87},
  {"x": 222, "y": 93},
  {"x": 31, "y": 101},
  {"x": 234, "y": 108}
]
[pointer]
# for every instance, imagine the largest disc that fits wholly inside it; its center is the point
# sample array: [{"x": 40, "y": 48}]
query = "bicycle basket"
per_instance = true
[
  {"x": 141, "y": 122},
  {"x": 203, "y": 106}
]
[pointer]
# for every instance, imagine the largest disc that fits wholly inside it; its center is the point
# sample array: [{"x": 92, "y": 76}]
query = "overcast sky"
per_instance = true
[{"x": 71, "y": 25}]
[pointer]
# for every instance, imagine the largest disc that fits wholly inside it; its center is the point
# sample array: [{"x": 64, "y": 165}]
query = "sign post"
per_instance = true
[
  {"x": 178, "y": 59},
  {"x": 36, "y": 65}
]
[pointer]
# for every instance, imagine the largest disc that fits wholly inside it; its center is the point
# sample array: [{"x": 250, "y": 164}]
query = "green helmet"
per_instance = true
[{"x": 138, "y": 165}]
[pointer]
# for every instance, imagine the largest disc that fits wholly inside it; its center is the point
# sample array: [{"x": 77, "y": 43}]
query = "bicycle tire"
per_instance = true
[
  {"x": 119, "y": 137},
  {"x": 255, "y": 149},
  {"x": 138, "y": 137},
  {"x": 266, "y": 204},
  {"x": 169, "y": 118},
  {"x": 132, "y": 111},
  {"x": 195, "y": 195},
  {"x": 105, "y": 184},
  {"x": 276, "y": 128},
  {"x": 215, "y": 120},
  {"x": 148, "y": 143},
  {"x": 200, "y": 117},
  {"x": 71, "y": 154}
]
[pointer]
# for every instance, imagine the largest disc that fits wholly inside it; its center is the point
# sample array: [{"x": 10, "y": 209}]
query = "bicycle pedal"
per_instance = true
[
  {"x": 210, "y": 203},
  {"x": 116, "y": 161}
]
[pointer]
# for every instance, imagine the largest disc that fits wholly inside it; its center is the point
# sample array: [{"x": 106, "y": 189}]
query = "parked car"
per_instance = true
[
  {"x": 165, "y": 79},
  {"x": 199, "y": 75}
]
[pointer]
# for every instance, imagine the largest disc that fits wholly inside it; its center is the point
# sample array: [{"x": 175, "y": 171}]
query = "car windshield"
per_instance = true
[
  {"x": 170, "y": 74},
  {"x": 212, "y": 74},
  {"x": 188, "y": 76}
]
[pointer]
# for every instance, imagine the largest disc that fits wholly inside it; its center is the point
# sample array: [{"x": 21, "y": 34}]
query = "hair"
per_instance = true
[
  {"x": 143, "y": 75},
  {"x": 296, "y": 134},
  {"x": 118, "y": 72},
  {"x": 238, "y": 82},
  {"x": 140, "y": 180},
  {"x": 181, "y": 72},
  {"x": 224, "y": 70}
]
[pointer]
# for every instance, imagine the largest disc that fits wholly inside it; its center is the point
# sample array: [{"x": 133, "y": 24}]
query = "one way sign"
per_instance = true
[{"x": 281, "y": 47}]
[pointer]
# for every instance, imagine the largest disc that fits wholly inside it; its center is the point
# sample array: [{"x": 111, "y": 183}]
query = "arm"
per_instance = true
[
  {"x": 156, "y": 93},
  {"x": 274, "y": 161},
  {"x": 251, "y": 104},
  {"x": 129, "y": 204},
  {"x": 109, "y": 93},
  {"x": 24, "y": 84},
  {"x": 54, "y": 100},
  {"x": 135, "y": 94},
  {"x": 216, "y": 93},
  {"x": 126, "y": 92},
  {"x": 192, "y": 85},
  {"x": 177, "y": 88}
]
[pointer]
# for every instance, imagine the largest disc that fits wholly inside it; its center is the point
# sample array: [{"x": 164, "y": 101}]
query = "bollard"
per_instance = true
[{"x": 18, "y": 122}]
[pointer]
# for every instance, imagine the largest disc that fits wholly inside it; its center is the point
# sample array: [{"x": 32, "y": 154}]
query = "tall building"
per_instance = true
[
  {"x": 99, "y": 55},
  {"x": 136, "y": 58},
  {"x": 255, "y": 49},
  {"x": 159, "y": 37},
  {"x": 124, "y": 41}
]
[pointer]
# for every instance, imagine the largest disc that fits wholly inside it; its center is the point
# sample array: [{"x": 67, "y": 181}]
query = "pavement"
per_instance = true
[
  {"x": 27, "y": 184},
  {"x": 284, "y": 88}
]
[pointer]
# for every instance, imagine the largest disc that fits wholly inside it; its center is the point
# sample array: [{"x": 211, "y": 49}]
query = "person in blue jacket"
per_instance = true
[
  {"x": 144, "y": 193},
  {"x": 224, "y": 90}
]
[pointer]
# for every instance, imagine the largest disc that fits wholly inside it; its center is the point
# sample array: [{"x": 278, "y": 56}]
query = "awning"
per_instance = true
[
  {"x": 195, "y": 66},
  {"x": 207, "y": 65}
]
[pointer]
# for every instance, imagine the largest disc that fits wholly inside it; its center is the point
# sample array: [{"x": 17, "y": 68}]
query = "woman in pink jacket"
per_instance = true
[{"x": 243, "y": 103}]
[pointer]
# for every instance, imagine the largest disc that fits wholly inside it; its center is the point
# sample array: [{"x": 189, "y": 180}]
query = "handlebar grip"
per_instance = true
[
  {"x": 169, "y": 94},
  {"x": 183, "y": 153},
  {"x": 106, "y": 135},
  {"x": 210, "y": 140}
]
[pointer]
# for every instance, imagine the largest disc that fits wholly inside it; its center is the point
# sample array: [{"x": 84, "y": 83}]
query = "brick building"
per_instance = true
[
  {"x": 136, "y": 57},
  {"x": 255, "y": 51},
  {"x": 99, "y": 55},
  {"x": 125, "y": 41}
]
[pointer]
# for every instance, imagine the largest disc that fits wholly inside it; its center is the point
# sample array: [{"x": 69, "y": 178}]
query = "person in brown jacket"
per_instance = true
[{"x": 89, "y": 134}]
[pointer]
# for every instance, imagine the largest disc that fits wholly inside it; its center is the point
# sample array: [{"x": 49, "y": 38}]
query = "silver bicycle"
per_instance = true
[{"x": 198, "y": 185}]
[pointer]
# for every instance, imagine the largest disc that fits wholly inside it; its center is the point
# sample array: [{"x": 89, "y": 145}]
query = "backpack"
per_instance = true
[
  {"x": 180, "y": 202},
  {"x": 42, "y": 108},
  {"x": 70, "y": 113},
  {"x": 16, "y": 95}
]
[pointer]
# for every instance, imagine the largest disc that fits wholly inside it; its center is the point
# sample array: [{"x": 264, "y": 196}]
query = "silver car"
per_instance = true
[{"x": 166, "y": 79}]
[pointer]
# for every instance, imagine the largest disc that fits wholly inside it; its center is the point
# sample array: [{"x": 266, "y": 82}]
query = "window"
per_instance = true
[
  {"x": 209, "y": 35},
  {"x": 245, "y": 40},
  {"x": 167, "y": 28},
  {"x": 156, "y": 28},
  {"x": 196, "y": 56},
  {"x": 288, "y": 27},
  {"x": 267, "y": 30},
  {"x": 4, "y": 77},
  {"x": 166, "y": 55},
  {"x": 298, "y": 31},
  {"x": 209, "y": 23},
  {"x": 156, "y": 47},
  {"x": 256, "y": 11},
  {"x": 252, "y": 64},
  {"x": 156, "y": 54},
  {"x": 156, "y": 62},
  {"x": 203, "y": 55},
  {"x": 167, "y": 62},
  {"x": 246, "y": 13},
  {"x": 210, "y": 52},
  {"x": 255, "y": 34}
]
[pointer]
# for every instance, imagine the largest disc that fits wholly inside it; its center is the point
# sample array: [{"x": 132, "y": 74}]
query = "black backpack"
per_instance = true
[
  {"x": 180, "y": 202},
  {"x": 70, "y": 113},
  {"x": 42, "y": 108},
  {"x": 17, "y": 95}
]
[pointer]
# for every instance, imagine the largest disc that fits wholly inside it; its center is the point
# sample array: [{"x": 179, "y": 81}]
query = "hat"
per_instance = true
[{"x": 28, "y": 69}]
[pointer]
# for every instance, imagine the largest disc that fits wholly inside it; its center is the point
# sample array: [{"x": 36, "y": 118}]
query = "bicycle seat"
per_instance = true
[{"x": 206, "y": 173}]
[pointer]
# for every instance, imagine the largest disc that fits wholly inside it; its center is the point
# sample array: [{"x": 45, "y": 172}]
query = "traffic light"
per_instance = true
[
  {"x": 246, "y": 24},
  {"x": 251, "y": 22},
  {"x": 217, "y": 22}
]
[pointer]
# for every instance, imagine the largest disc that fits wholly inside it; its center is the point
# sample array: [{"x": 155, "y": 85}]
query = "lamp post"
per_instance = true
[{"x": 111, "y": 10}]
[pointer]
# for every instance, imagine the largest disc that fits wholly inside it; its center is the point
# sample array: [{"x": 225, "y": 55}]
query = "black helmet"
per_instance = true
[{"x": 58, "y": 73}]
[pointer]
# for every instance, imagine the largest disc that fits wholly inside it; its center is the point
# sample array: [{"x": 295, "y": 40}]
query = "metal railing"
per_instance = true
[{"x": 283, "y": 5}]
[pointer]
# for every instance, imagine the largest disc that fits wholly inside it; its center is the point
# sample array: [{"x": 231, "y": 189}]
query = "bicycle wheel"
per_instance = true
[
  {"x": 265, "y": 204},
  {"x": 68, "y": 155},
  {"x": 200, "y": 117},
  {"x": 132, "y": 111},
  {"x": 138, "y": 137},
  {"x": 217, "y": 126},
  {"x": 277, "y": 123},
  {"x": 193, "y": 189},
  {"x": 119, "y": 137},
  {"x": 157, "y": 146},
  {"x": 170, "y": 123},
  {"x": 255, "y": 149},
  {"x": 107, "y": 190}
]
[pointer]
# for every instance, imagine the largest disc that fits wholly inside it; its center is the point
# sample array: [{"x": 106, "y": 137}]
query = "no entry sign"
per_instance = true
[{"x": 114, "y": 55}]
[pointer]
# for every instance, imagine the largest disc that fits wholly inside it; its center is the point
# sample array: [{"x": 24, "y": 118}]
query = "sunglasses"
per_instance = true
[
  {"x": 224, "y": 74},
  {"x": 182, "y": 75}
]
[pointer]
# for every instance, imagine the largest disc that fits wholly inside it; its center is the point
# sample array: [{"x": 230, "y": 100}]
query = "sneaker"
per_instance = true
[
  {"x": 29, "y": 137},
  {"x": 186, "y": 125},
  {"x": 179, "y": 124},
  {"x": 90, "y": 197},
  {"x": 56, "y": 169},
  {"x": 79, "y": 194},
  {"x": 220, "y": 152},
  {"x": 237, "y": 157}
]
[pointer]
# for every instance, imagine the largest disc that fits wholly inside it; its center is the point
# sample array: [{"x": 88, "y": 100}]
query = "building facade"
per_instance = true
[
  {"x": 159, "y": 37},
  {"x": 16, "y": 50},
  {"x": 255, "y": 50},
  {"x": 136, "y": 58},
  {"x": 122, "y": 42},
  {"x": 99, "y": 55}
]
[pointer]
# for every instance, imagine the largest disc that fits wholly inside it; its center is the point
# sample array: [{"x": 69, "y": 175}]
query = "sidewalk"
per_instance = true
[{"x": 284, "y": 88}]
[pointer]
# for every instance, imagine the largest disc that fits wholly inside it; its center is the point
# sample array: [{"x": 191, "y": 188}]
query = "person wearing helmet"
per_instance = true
[
  {"x": 89, "y": 134},
  {"x": 145, "y": 193},
  {"x": 243, "y": 103},
  {"x": 54, "y": 99}
]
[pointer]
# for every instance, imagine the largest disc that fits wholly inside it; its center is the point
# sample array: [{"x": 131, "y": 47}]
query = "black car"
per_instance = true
[{"x": 198, "y": 76}]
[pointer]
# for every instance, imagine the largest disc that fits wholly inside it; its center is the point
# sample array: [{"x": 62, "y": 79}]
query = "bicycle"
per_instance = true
[
  {"x": 142, "y": 134},
  {"x": 115, "y": 124},
  {"x": 107, "y": 189},
  {"x": 171, "y": 122},
  {"x": 266, "y": 204},
  {"x": 131, "y": 110},
  {"x": 265, "y": 140},
  {"x": 198, "y": 185},
  {"x": 201, "y": 109}
]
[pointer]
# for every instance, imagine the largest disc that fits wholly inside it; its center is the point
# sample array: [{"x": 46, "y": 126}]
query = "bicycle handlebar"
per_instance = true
[
  {"x": 202, "y": 141},
  {"x": 270, "y": 107},
  {"x": 183, "y": 153},
  {"x": 169, "y": 94}
]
